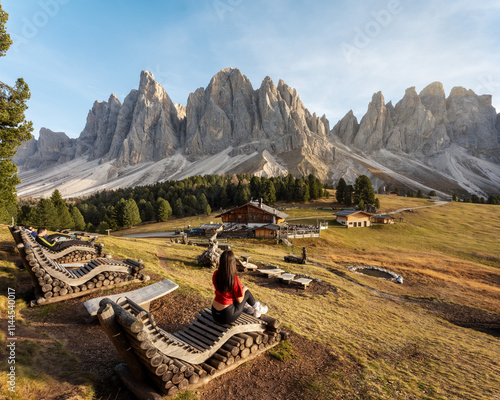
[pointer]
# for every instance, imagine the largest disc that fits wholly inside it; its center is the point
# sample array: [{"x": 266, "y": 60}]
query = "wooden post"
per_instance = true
[
  {"x": 106, "y": 317},
  {"x": 124, "y": 318},
  {"x": 141, "y": 390}
]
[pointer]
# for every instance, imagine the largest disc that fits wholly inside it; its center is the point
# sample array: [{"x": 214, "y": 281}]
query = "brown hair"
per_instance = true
[{"x": 224, "y": 278}]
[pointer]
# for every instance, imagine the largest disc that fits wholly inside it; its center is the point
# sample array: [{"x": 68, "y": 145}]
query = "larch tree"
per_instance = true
[{"x": 14, "y": 130}]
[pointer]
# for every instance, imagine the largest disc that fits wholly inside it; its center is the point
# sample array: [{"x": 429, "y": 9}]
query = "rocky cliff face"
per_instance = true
[
  {"x": 148, "y": 127},
  {"x": 97, "y": 136},
  {"x": 229, "y": 112},
  {"x": 448, "y": 143},
  {"x": 426, "y": 123},
  {"x": 51, "y": 148},
  {"x": 425, "y": 139}
]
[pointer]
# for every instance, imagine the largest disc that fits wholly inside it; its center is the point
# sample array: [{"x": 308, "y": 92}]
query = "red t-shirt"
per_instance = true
[{"x": 227, "y": 298}]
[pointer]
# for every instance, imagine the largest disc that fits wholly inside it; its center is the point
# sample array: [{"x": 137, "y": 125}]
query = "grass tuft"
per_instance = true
[{"x": 283, "y": 351}]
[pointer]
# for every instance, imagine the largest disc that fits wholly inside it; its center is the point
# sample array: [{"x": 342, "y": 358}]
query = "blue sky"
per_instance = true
[{"x": 335, "y": 53}]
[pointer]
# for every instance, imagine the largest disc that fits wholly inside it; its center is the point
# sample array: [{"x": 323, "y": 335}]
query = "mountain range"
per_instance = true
[{"x": 426, "y": 141}]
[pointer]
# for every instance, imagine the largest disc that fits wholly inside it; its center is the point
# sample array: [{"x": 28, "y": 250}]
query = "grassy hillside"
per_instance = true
[{"x": 388, "y": 341}]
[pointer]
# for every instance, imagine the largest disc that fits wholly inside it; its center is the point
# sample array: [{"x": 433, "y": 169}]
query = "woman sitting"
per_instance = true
[{"x": 230, "y": 296}]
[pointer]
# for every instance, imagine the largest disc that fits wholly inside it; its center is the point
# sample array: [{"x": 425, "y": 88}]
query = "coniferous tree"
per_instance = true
[
  {"x": 78, "y": 220},
  {"x": 224, "y": 199},
  {"x": 46, "y": 214},
  {"x": 363, "y": 190},
  {"x": 178, "y": 209},
  {"x": 315, "y": 187},
  {"x": 203, "y": 206},
  {"x": 348, "y": 193},
  {"x": 190, "y": 204},
  {"x": 90, "y": 213},
  {"x": 164, "y": 209},
  {"x": 242, "y": 195},
  {"x": 103, "y": 227},
  {"x": 131, "y": 215},
  {"x": 290, "y": 186},
  {"x": 147, "y": 210},
  {"x": 340, "y": 190},
  {"x": 269, "y": 192},
  {"x": 256, "y": 188},
  {"x": 234, "y": 180},
  {"x": 14, "y": 130},
  {"x": 25, "y": 216},
  {"x": 306, "y": 192},
  {"x": 117, "y": 212},
  {"x": 63, "y": 216},
  {"x": 298, "y": 190},
  {"x": 420, "y": 194}
]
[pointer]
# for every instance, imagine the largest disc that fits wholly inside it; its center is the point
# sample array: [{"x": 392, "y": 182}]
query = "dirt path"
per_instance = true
[{"x": 438, "y": 203}]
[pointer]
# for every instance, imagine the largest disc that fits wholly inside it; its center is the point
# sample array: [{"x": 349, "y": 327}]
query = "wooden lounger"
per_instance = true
[
  {"x": 185, "y": 359},
  {"x": 71, "y": 254},
  {"x": 53, "y": 282}
]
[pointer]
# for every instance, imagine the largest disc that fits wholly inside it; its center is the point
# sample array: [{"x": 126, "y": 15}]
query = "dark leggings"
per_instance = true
[{"x": 232, "y": 312}]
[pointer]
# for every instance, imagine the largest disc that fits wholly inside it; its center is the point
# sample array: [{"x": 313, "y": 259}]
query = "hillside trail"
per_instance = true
[{"x": 437, "y": 203}]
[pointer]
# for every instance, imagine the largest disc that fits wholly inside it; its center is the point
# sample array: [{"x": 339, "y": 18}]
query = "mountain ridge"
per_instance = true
[{"x": 425, "y": 141}]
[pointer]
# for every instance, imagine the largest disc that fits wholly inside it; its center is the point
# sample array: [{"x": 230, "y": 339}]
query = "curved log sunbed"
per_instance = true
[
  {"x": 185, "y": 359},
  {"x": 53, "y": 282},
  {"x": 72, "y": 254}
]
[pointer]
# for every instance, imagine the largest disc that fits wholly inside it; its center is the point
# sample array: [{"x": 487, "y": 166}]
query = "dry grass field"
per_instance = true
[{"x": 436, "y": 336}]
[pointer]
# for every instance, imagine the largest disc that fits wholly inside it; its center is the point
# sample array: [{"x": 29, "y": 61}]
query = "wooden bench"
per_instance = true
[
  {"x": 245, "y": 257},
  {"x": 244, "y": 264},
  {"x": 71, "y": 254},
  {"x": 302, "y": 282},
  {"x": 271, "y": 272},
  {"x": 185, "y": 359},
  {"x": 53, "y": 282},
  {"x": 142, "y": 296},
  {"x": 286, "y": 277}
]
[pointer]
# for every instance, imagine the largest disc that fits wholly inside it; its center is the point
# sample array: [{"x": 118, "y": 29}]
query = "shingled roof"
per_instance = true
[
  {"x": 262, "y": 206},
  {"x": 347, "y": 212}
]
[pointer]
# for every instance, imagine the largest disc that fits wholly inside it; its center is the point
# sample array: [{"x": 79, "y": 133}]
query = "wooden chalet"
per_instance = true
[
  {"x": 253, "y": 214},
  {"x": 270, "y": 231},
  {"x": 383, "y": 219},
  {"x": 353, "y": 218}
]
